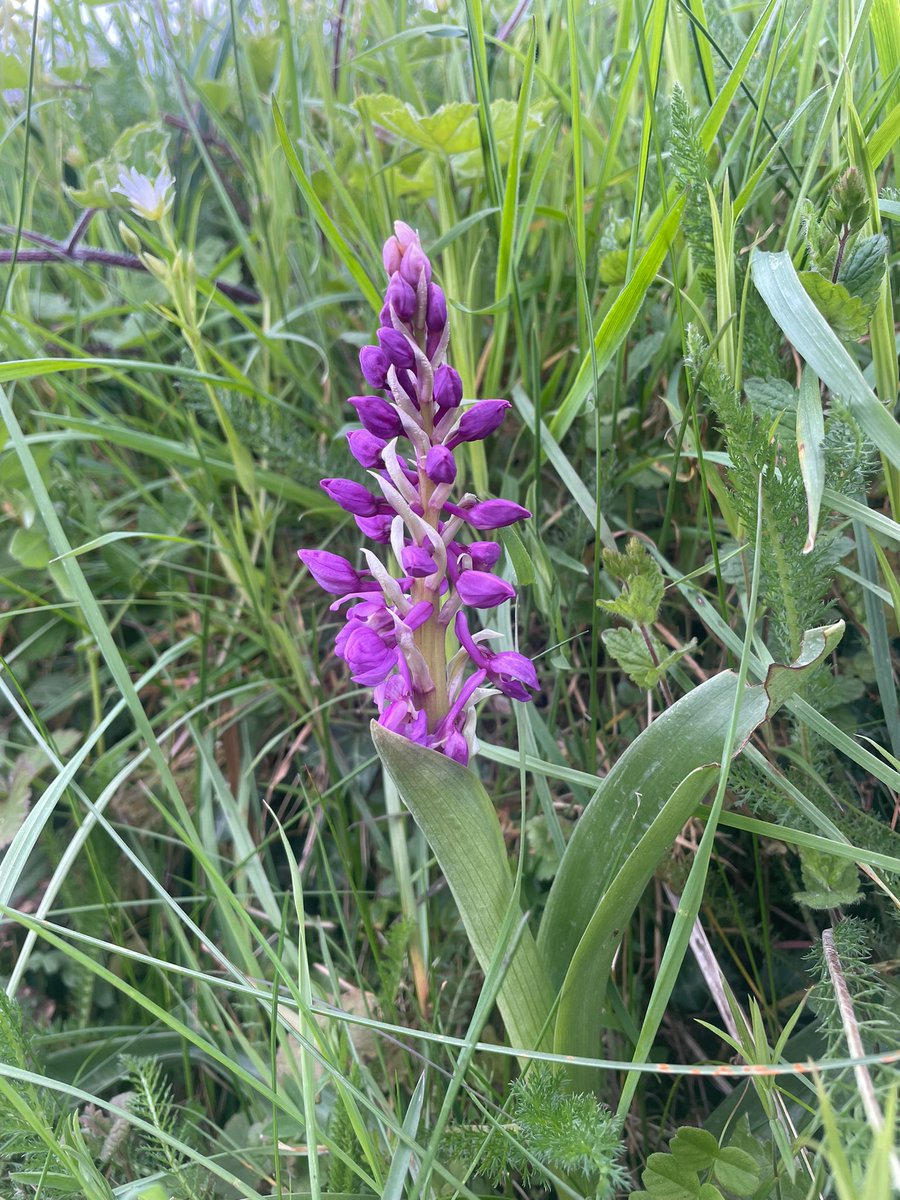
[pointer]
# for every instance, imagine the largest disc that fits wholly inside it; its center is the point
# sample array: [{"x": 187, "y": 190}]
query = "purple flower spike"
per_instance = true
[
  {"x": 352, "y": 497},
  {"x": 331, "y": 572},
  {"x": 491, "y": 514},
  {"x": 440, "y": 465},
  {"x": 394, "y": 636},
  {"x": 366, "y": 448},
  {"x": 396, "y": 349},
  {"x": 401, "y": 297},
  {"x": 379, "y": 417},
  {"x": 483, "y": 590},
  {"x": 448, "y": 387},
  {"x": 478, "y": 422},
  {"x": 374, "y": 364}
]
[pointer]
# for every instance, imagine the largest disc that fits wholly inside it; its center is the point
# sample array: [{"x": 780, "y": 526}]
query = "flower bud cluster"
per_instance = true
[{"x": 395, "y": 634}]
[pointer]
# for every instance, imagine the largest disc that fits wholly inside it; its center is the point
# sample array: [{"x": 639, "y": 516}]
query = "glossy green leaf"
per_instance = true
[
  {"x": 579, "y": 1016},
  {"x": 461, "y": 825},
  {"x": 805, "y": 327}
]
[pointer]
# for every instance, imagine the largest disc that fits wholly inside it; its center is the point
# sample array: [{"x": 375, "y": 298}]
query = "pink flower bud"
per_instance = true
[
  {"x": 414, "y": 263},
  {"x": 391, "y": 255}
]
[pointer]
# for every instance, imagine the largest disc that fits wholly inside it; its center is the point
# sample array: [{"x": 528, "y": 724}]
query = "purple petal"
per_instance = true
[
  {"x": 483, "y": 590},
  {"x": 484, "y": 555},
  {"x": 479, "y": 421},
  {"x": 332, "y": 573},
  {"x": 378, "y": 416},
  {"x": 417, "y": 562},
  {"x": 401, "y": 297},
  {"x": 378, "y": 528},
  {"x": 436, "y": 310},
  {"x": 352, "y": 497},
  {"x": 366, "y": 448},
  {"x": 396, "y": 348},
  {"x": 374, "y": 366},
  {"x": 448, "y": 387},
  {"x": 440, "y": 465},
  {"x": 413, "y": 263},
  {"x": 491, "y": 514}
]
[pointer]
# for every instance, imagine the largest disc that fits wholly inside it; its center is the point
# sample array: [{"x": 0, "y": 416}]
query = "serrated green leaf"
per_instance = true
[
  {"x": 736, "y": 1171},
  {"x": 613, "y": 267},
  {"x": 846, "y": 314},
  {"x": 631, "y": 652},
  {"x": 451, "y": 129},
  {"x": 864, "y": 268},
  {"x": 666, "y": 1179},
  {"x": 694, "y": 1148},
  {"x": 829, "y": 881},
  {"x": 639, "y": 602},
  {"x": 770, "y": 398}
]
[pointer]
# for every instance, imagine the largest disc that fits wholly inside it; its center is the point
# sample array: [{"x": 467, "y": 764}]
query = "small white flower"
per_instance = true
[{"x": 148, "y": 199}]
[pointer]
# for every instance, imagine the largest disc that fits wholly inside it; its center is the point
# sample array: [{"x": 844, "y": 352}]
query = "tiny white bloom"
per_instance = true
[{"x": 150, "y": 199}]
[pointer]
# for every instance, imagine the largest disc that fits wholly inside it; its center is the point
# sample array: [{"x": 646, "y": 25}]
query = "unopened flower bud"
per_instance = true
[
  {"x": 352, "y": 497},
  {"x": 332, "y": 573},
  {"x": 448, "y": 387},
  {"x": 491, "y": 514},
  {"x": 484, "y": 555},
  {"x": 478, "y": 422},
  {"x": 374, "y": 364},
  {"x": 440, "y": 465},
  {"x": 417, "y": 562},
  {"x": 396, "y": 348},
  {"x": 366, "y": 448},
  {"x": 414, "y": 262},
  {"x": 483, "y": 590},
  {"x": 378, "y": 416},
  {"x": 401, "y": 297},
  {"x": 436, "y": 311}
]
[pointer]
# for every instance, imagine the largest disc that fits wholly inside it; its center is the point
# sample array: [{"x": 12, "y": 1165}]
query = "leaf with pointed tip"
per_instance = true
[{"x": 461, "y": 826}]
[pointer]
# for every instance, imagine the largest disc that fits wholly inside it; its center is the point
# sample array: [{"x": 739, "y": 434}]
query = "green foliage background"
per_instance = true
[{"x": 223, "y": 943}]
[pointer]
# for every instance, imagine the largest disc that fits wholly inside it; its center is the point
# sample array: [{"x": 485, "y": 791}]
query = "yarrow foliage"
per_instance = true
[{"x": 395, "y": 635}]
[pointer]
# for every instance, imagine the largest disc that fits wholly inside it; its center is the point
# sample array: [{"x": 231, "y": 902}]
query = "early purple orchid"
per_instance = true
[{"x": 395, "y": 636}]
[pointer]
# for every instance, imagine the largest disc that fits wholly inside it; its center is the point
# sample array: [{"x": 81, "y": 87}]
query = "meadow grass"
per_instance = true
[{"x": 232, "y": 962}]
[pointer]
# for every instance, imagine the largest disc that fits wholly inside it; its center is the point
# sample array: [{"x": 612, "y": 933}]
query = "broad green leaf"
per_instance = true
[
  {"x": 804, "y": 326},
  {"x": 666, "y": 1179},
  {"x": 31, "y": 548},
  {"x": 810, "y": 439},
  {"x": 460, "y": 823},
  {"x": 579, "y": 1017},
  {"x": 736, "y": 1171},
  {"x": 631, "y": 652},
  {"x": 635, "y": 790},
  {"x": 695, "y": 1148},
  {"x": 451, "y": 129},
  {"x": 864, "y": 269},
  {"x": 846, "y": 314}
]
